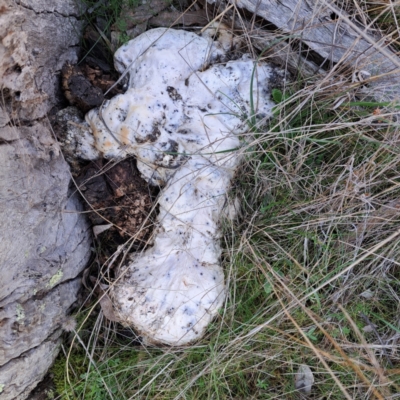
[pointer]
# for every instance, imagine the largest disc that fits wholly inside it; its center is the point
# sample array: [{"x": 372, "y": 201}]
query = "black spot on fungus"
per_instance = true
[
  {"x": 122, "y": 115},
  {"x": 173, "y": 93},
  {"x": 151, "y": 137}
]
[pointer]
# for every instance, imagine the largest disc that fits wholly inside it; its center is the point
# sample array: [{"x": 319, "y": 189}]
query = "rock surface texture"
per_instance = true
[
  {"x": 45, "y": 241},
  {"x": 181, "y": 117}
]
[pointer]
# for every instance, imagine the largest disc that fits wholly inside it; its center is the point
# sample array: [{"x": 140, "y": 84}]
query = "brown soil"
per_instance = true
[{"x": 116, "y": 194}]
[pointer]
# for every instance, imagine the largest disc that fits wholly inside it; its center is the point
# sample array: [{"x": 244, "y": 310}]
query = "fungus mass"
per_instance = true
[{"x": 181, "y": 117}]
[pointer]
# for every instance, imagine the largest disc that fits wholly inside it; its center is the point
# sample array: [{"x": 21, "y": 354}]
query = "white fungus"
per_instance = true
[{"x": 181, "y": 117}]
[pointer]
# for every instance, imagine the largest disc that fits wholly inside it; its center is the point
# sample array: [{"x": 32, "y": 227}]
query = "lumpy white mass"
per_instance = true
[{"x": 181, "y": 117}]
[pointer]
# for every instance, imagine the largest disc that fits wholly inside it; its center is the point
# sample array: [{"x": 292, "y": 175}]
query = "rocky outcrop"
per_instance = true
[{"x": 45, "y": 240}]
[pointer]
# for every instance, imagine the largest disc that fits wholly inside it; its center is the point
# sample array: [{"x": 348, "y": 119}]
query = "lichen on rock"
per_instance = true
[{"x": 181, "y": 117}]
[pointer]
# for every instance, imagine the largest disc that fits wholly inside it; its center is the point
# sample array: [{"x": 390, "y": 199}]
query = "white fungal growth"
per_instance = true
[{"x": 180, "y": 116}]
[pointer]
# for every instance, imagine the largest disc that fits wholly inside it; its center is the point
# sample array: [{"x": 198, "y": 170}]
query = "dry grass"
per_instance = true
[{"x": 312, "y": 264}]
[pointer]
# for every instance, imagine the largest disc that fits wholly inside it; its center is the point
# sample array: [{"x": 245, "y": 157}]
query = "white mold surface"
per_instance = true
[{"x": 180, "y": 116}]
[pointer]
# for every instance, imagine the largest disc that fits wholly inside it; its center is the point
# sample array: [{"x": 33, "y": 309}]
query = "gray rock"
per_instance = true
[
  {"x": 65, "y": 8},
  {"x": 45, "y": 245},
  {"x": 19, "y": 382},
  {"x": 45, "y": 240},
  {"x": 33, "y": 48},
  {"x": 36, "y": 319},
  {"x": 4, "y": 118}
]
